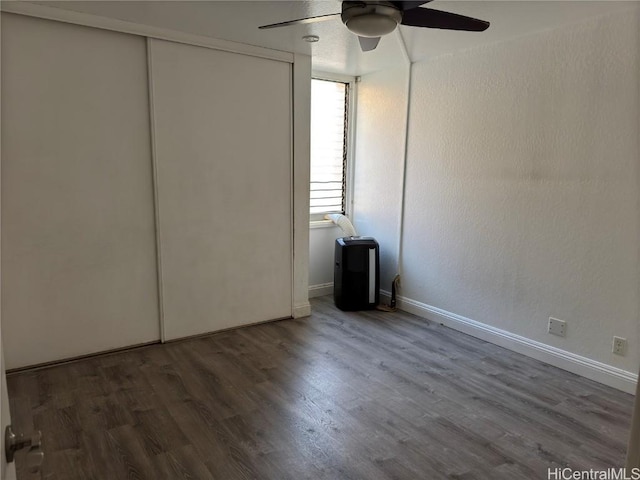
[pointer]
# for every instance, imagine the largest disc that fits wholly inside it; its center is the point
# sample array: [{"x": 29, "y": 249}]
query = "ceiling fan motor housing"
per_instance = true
[{"x": 370, "y": 19}]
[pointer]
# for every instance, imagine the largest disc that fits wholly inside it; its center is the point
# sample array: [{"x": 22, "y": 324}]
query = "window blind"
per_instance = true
[{"x": 329, "y": 102}]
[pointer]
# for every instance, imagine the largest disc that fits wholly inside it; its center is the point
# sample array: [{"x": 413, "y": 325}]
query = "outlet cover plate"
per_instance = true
[
  {"x": 557, "y": 327},
  {"x": 619, "y": 346}
]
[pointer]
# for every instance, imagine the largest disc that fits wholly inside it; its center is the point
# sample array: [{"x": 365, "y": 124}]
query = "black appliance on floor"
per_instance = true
[{"x": 356, "y": 277}]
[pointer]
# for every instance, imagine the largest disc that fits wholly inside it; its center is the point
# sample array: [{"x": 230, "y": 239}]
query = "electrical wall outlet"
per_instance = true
[
  {"x": 619, "y": 346},
  {"x": 557, "y": 327}
]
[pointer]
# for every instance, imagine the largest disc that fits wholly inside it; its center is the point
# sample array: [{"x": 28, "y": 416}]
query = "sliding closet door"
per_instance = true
[
  {"x": 222, "y": 132},
  {"x": 78, "y": 243}
]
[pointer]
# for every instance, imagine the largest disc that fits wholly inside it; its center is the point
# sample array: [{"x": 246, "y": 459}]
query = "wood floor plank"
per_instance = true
[
  {"x": 183, "y": 463},
  {"x": 339, "y": 395},
  {"x": 130, "y": 454}
]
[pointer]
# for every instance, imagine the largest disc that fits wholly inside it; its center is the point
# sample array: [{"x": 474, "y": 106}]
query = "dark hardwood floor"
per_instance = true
[{"x": 367, "y": 395}]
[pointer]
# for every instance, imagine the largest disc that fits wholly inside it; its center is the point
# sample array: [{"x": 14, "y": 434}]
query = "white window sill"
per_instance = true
[{"x": 321, "y": 224}]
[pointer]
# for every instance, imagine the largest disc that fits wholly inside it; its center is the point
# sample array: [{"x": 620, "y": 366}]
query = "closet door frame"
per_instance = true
[
  {"x": 233, "y": 266},
  {"x": 79, "y": 269},
  {"x": 300, "y": 123}
]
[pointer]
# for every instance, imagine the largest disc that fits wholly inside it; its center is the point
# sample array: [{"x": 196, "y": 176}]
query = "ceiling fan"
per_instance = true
[{"x": 371, "y": 19}]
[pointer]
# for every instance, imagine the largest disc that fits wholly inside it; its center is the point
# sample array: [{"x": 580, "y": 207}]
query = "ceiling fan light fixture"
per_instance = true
[
  {"x": 371, "y": 19},
  {"x": 372, "y": 24}
]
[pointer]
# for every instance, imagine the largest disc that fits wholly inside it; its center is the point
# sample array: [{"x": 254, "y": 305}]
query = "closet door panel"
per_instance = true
[
  {"x": 223, "y": 160},
  {"x": 79, "y": 269}
]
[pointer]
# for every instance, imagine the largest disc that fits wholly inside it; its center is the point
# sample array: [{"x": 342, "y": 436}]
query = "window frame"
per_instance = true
[{"x": 317, "y": 220}]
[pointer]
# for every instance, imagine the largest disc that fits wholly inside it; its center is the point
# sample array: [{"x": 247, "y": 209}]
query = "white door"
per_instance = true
[
  {"x": 7, "y": 471},
  {"x": 78, "y": 234},
  {"x": 224, "y": 178}
]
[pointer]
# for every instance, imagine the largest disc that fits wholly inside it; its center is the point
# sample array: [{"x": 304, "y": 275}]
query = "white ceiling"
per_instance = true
[{"x": 338, "y": 50}]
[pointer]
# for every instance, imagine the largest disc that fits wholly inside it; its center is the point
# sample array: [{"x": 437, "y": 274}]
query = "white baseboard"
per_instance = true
[
  {"x": 320, "y": 290},
  {"x": 583, "y": 366},
  {"x": 302, "y": 310}
]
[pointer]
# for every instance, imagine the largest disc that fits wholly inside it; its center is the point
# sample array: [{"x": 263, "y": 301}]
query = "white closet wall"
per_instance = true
[
  {"x": 78, "y": 245},
  {"x": 224, "y": 180}
]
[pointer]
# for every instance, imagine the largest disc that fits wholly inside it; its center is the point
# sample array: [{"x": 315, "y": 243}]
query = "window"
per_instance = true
[{"x": 329, "y": 126}]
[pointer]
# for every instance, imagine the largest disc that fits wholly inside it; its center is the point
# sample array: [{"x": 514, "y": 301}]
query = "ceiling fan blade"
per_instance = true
[
  {"x": 301, "y": 21},
  {"x": 426, "y": 17},
  {"x": 408, "y": 5},
  {"x": 368, "y": 43}
]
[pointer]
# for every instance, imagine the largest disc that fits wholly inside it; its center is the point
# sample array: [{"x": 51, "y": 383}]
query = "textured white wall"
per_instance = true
[
  {"x": 523, "y": 185},
  {"x": 379, "y": 158}
]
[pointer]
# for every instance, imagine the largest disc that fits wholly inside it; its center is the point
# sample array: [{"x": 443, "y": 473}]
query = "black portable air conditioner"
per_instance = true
[{"x": 356, "y": 277}]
